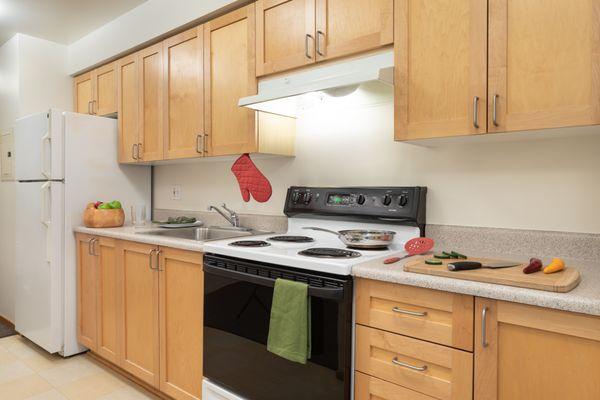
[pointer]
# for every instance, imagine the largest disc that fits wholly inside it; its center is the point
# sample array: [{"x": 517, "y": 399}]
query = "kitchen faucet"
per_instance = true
[{"x": 233, "y": 218}]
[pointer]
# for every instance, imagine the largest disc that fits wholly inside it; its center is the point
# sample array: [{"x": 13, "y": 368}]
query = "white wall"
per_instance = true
[
  {"x": 147, "y": 21},
  {"x": 9, "y": 111},
  {"x": 547, "y": 184},
  {"x": 33, "y": 77}
]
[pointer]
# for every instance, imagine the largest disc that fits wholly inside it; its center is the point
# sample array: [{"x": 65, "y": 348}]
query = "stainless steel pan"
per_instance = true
[{"x": 362, "y": 239}]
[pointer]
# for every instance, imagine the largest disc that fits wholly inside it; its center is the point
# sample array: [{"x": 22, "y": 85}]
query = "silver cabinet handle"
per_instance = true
[
  {"x": 475, "y": 108},
  {"x": 484, "y": 312},
  {"x": 205, "y": 138},
  {"x": 158, "y": 261},
  {"x": 139, "y": 151},
  {"x": 495, "y": 110},
  {"x": 200, "y": 144},
  {"x": 408, "y": 312},
  {"x": 319, "y": 34},
  {"x": 92, "y": 246},
  {"x": 306, "y": 39},
  {"x": 94, "y": 112},
  {"x": 405, "y": 365},
  {"x": 150, "y": 259},
  {"x": 133, "y": 149},
  {"x": 89, "y": 107}
]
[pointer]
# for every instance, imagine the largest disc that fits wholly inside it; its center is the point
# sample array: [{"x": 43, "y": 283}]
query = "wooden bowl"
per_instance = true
[{"x": 112, "y": 218}]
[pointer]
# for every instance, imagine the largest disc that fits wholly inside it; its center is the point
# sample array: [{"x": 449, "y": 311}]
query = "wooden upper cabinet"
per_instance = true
[
  {"x": 544, "y": 65},
  {"x": 181, "y": 283},
  {"x": 229, "y": 74},
  {"x": 105, "y": 90},
  {"x": 128, "y": 108},
  {"x": 87, "y": 333},
  {"x": 285, "y": 35},
  {"x": 525, "y": 352},
  {"x": 184, "y": 94},
  {"x": 83, "y": 93},
  {"x": 440, "y": 68},
  {"x": 346, "y": 27},
  {"x": 150, "y": 75},
  {"x": 139, "y": 319}
]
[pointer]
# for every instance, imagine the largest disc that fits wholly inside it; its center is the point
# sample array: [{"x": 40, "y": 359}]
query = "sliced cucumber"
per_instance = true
[
  {"x": 433, "y": 261},
  {"x": 442, "y": 256},
  {"x": 458, "y": 255}
]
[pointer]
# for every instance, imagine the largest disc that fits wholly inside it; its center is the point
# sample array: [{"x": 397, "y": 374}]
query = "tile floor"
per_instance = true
[{"x": 27, "y": 372}]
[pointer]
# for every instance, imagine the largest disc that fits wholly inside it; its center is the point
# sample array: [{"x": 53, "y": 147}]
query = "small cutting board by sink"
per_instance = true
[{"x": 561, "y": 282}]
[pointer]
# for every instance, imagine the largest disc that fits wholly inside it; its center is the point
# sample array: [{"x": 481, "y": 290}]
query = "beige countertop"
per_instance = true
[
  {"x": 137, "y": 235},
  {"x": 585, "y": 298}
]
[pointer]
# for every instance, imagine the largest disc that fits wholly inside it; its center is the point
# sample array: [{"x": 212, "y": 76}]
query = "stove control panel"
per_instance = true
[{"x": 394, "y": 203}]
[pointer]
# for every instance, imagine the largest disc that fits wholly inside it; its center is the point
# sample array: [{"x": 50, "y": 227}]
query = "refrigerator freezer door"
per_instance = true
[
  {"x": 39, "y": 146},
  {"x": 39, "y": 243}
]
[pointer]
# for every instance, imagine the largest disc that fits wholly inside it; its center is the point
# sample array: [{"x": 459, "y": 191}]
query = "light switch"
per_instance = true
[{"x": 176, "y": 192}]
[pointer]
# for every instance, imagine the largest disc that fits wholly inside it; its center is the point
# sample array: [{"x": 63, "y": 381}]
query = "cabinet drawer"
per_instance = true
[
  {"x": 428, "y": 368},
  {"x": 432, "y": 315},
  {"x": 369, "y": 388}
]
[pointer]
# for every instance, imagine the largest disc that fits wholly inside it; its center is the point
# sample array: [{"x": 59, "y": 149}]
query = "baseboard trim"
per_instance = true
[
  {"x": 138, "y": 382},
  {"x": 6, "y": 321}
]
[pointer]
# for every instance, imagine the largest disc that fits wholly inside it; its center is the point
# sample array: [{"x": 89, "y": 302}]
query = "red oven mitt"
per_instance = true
[{"x": 251, "y": 180}]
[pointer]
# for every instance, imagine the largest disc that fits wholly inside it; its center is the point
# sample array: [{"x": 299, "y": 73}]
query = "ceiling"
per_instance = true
[{"x": 62, "y": 21}]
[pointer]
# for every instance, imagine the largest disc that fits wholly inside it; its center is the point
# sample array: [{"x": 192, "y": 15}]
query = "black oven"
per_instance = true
[{"x": 237, "y": 307}]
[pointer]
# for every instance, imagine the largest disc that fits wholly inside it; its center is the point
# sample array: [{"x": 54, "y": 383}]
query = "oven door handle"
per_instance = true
[{"x": 325, "y": 293}]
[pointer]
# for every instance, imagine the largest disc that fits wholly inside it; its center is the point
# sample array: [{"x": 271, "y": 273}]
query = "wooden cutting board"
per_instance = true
[{"x": 561, "y": 282}]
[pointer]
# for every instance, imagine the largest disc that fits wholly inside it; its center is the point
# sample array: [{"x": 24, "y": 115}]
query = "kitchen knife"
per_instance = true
[{"x": 468, "y": 265}]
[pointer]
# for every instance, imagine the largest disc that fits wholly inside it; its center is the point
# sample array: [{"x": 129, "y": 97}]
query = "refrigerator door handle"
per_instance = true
[
  {"x": 46, "y": 219},
  {"x": 45, "y": 138}
]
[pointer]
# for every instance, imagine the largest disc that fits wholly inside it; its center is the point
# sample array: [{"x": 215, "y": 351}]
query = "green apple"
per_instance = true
[
  {"x": 104, "y": 206},
  {"x": 116, "y": 204}
]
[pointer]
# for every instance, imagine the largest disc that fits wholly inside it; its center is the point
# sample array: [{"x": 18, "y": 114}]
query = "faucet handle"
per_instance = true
[{"x": 227, "y": 209}]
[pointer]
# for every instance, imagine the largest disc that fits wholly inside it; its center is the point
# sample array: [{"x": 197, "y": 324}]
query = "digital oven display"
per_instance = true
[{"x": 336, "y": 199}]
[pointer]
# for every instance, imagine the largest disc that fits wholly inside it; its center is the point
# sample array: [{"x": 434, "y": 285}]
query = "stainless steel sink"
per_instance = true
[{"x": 202, "y": 234}]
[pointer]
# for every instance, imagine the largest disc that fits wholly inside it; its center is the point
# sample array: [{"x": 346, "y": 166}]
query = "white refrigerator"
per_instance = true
[{"x": 63, "y": 161}]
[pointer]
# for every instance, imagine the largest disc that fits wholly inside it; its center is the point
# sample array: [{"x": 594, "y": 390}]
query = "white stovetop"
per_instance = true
[{"x": 286, "y": 254}]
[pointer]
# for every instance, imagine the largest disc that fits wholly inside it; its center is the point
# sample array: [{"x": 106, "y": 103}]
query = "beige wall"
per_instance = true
[{"x": 552, "y": 183}]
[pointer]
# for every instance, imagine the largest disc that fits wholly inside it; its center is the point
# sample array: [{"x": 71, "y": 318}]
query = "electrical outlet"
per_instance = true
[{"x": 176, "y": 192}]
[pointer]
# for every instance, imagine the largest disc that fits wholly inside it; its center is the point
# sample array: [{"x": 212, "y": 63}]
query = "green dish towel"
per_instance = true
[{"x": 289, "y": 328}]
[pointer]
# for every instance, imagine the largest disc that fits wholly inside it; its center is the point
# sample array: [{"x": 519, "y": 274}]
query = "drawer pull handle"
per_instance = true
[
  {"x": 484, "y": 312},
  {"x": 408, "y": 312},
  {"x": 405, "y": 365}
]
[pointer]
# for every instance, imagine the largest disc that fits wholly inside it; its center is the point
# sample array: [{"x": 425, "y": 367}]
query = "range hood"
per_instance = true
[{"x": 359, "y": 81}]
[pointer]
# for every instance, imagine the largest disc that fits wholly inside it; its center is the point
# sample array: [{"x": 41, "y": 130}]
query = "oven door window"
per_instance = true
[{"x": 236, "y": 327}]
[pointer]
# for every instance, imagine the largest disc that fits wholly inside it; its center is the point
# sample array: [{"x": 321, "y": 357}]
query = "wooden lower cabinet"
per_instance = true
[
  {"x": 139, "y": 321},
  {"x": 181, "y": 310},
  {"x": 140, "y": 307},
  {"x": 370, "y": 388},
  {"x": 86, "y": 292},
  {"x": 531, "y": 353}
]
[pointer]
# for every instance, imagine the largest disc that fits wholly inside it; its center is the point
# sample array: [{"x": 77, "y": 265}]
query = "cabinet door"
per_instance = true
[
  {"x": 229, "y": 75},
  {"x": 151, "y": 103},
  {"x": 108, "y": 300},
  {"x": 105, "y": 89},
  {"x": 544, "y": 66},
  {"x": 184, "y": 94},
  {"x": 181, "y": 323},
  {"x": 83, "y": 93},
  {"x": 86, "y": 291},
  {"x": 352, "y": 26},
  {"x": 440, "y": 73},
  {"x": 128, "y": 107},
  {"x": 525, "y": 353},
  {"x": 139, "y": 319},
  {"x": 285, "y": 35}
]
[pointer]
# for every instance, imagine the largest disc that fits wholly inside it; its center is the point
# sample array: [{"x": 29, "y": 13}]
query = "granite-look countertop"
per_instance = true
[
  {"x": 585, "y": 298},
  {"x": 135, "y": 234}
]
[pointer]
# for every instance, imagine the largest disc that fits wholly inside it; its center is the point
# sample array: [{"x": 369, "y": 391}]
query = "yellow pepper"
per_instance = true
[{"x": 556, "y": 265}]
